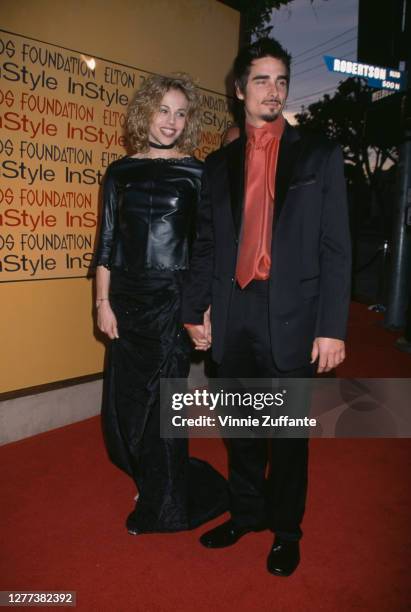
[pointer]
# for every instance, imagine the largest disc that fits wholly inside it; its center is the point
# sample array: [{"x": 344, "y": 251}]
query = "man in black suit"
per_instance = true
[{"x": 272, "y": 258}]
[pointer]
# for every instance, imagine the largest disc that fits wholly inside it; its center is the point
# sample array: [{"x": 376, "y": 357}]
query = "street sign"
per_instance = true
[
  {"x": 376, "y": 76},
  {"x": 380, "y": 94}
]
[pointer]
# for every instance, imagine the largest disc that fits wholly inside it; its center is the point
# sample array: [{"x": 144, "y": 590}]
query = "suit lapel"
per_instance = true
[
  {"x": 235, "y": 164},
  {"x": 290, "y": 147}
]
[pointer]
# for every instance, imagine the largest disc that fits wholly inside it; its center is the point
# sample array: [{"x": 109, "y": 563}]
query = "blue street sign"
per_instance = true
[{"x": 376, "y": 76}]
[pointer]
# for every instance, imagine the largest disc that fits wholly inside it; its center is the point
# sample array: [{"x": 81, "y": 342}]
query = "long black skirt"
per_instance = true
[{"x": 175, "y": 492}]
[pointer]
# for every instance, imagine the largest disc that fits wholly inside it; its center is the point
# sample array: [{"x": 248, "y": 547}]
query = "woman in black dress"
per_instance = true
[{"x": 149, "y": 206}]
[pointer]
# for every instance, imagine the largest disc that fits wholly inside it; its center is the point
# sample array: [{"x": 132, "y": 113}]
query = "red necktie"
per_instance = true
[{"x": 254, "y": 259}]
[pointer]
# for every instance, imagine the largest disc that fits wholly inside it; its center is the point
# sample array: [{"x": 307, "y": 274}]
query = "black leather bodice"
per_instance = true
[{"x": 149, "y": 208}]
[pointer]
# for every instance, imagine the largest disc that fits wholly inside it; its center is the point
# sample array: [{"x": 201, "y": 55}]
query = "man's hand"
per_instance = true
[
  {"x": 198, "y": 335},
  {"x": 207, "y": 324},
  {"x": 330, "y": 352},
  {"x": 201, "y": 334}
]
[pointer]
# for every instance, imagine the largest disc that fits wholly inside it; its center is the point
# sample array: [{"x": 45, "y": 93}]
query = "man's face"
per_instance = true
[{"x": 266, "y": 91}]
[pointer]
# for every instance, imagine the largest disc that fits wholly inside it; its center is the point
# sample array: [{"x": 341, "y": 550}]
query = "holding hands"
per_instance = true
[{"x": 201, "y": 334}]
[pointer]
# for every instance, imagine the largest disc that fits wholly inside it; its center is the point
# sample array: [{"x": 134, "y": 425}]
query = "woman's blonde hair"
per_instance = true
[{"x": 146, "y": 102}]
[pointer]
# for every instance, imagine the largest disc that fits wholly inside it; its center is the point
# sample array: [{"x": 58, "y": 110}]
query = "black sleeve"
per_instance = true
[
  {"x": 197, "y": 289},
  {"x": 102, "y": 256},
  {"x": 335, "y": 252}
]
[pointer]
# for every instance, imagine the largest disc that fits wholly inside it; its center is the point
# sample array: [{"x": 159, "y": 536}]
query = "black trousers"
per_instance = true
[{"x": 279, "y": 499}]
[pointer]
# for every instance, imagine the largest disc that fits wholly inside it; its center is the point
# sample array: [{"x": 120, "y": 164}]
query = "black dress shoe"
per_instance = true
[
  {"x": 226, "y": 534},
  {"x": 284, "y": 557}
]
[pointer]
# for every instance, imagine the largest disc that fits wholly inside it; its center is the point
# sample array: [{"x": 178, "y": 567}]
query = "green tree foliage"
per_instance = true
[
  {"x": 256, "y": 15},
  {"x": 349, "y": 117},
  {"x": 368, "y": 137}
]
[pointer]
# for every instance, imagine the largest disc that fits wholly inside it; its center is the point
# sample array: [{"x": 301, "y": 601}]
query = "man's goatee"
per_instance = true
[{"x": 269, "y": 118}]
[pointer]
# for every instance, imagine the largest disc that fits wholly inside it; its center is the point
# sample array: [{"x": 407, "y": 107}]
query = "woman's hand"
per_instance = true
[
  {"x": 198, "y": 336},
  {"x": 106, "y": 320},
  {"x": 201, "y": 334}
]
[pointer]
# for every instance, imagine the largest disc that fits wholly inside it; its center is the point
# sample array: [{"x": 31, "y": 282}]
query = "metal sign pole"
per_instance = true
[{"x": 400, "y": 285}]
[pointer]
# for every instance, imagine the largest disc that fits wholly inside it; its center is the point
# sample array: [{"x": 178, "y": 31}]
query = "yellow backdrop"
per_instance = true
[{"x": 61, "y": 122}]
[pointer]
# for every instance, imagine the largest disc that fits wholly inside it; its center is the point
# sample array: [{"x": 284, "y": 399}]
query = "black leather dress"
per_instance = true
[{"x": 148, "y": 216}]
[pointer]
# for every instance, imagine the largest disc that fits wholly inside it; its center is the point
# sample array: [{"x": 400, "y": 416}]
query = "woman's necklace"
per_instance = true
[{"x": 156, "y": 145}]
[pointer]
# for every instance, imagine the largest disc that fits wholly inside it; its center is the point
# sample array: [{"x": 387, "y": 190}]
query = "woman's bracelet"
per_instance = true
[{"x": 99, "y": 300}]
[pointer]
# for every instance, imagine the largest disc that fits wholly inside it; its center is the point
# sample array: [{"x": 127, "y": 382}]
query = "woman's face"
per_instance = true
[{"x": 169, "y": 120}]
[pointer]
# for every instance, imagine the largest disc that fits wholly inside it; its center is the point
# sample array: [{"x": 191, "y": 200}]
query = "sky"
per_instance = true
[{"x": 309, "y": 31}]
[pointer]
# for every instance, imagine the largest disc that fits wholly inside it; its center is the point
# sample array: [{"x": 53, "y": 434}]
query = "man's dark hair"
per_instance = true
[{"x": 264, "y": 47}]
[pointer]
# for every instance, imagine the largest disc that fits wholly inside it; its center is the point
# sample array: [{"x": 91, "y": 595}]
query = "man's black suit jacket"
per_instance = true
[{"x": 310, "y": 275}]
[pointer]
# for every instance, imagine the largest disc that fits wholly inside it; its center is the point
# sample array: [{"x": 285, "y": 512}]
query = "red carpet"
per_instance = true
[
  {"x": 371, "y": 351},
  {"x": 64, "y": 505}
]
